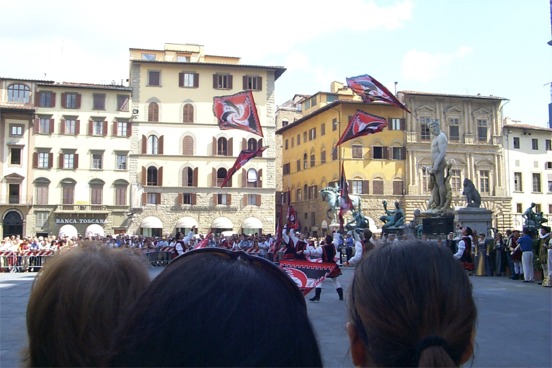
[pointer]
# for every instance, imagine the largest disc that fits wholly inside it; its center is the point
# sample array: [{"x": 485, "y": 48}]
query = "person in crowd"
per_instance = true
[
  {"x": 545, "y": 255},
  {"x": 348, "y": 245},
  {"x": 386, "y": 331},
  {"x": 338, "y": 241},
  {"x": 516, "y": 254},
  {"x": 361, "y": 248},
  {"x": 327, "y": 253},
  {"x": 463, "y": 253},
  {"x": 482, "y": 258},
  {"x": 76, "y": 303},
  {"x": 256, "y": 316},
  {"x": 299, "y": 244},
  {"x": 451, "y": 243},
  {"x": 525, "y": 245}
]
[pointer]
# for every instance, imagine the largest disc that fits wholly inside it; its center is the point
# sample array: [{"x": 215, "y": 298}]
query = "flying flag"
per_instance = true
[
  {"x": 371, "y": 90},
  {"x": 345, "y": 203},
  {"x": 291, "y": 218},
  {"x": 237, "y": 111},
  {"x": 243, "y": 158},
  {"x": 306, "y": 274},
  {"x": 361, "y": 124},
  {"x": 203, "y": 243}
]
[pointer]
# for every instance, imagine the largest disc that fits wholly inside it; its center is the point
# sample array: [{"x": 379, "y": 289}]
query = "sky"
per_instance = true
[{"x": 490, "y": 47}]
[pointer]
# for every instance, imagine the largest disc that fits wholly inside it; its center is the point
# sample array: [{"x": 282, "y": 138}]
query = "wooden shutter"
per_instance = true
[
  {"x": 37, "y": 98},
  {"x": 144, "y": 144},
  {"x": 114, "y": 128},
  {"x": 366, "y": 187},
  {"x": 214, "y": 177},
  {"x": 231, "y": 147},
  {"x": 90, "y": 127},
  {"x": 260, "y": 178},
  {"x": 403, "y": 124},
  {"x": 160, "y": 176},
  {"x": 157, "y": 198},
  {"x": 214, "y": 146},
  {"x": 194, "y": 179},
  {"x": 244, "y": 144},
  {"x": 51, "y": 130},
  {"x": 258, "y": 200},
  {"x": 64, "y": 100},
  {"x": 194, "y": 199},
  {"x": 129, "y": 129},
  {"x": 78, "y": 100},
  {"x": 230, "y": 81},
  {"x": 77, "y": 127},
  {"x": 215, "y": 199},
  {"x": 228, "y": 199},
  {"x": 403, "y": 153},
  {"x": 50, "y": 160},
  {"x": 160, "y": 145},
  {"x": 196, "y": 80},
  {"x": 259, "y": 145},
  {"x": 244, "y": 178},
  {"x": 104, "y": 128},
  {"x": 76, "y": 161},
  {"x": 244, "y": 200},
  {"x": 35, "y": 160},
  {"x": 60, "y": 161},
  {"x": 215, "y": 80},
  {"x": 144, "y": 199},
  {"x": 244, "y": 81},
  {"x": 36, "y": 125},
  {"x": 62, "y": 126},
  {"x": 179, "y": 199},
  {"x": 385, "y": 150},
  {"x": 180, "y": 79},
  {"x": 53, "y": 99},
  {"x": 144, "y": 176}
]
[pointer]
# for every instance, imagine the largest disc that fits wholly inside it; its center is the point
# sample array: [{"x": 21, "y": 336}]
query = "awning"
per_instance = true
[
  {"x": 186, "y": 222},
  {"x": 252, "y": 223},
  {"x": 222, "y": 223},
  {"x": 68, "y": 231},
  {"x": 151, "y": 222},
  {"x": 94, "y": 230}
]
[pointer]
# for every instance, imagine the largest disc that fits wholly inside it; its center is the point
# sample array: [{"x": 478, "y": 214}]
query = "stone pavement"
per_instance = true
[{"x": 513, "y": 330}]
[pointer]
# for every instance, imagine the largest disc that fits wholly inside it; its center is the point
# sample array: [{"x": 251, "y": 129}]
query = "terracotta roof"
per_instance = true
[
  {"x": 527, "y": 126},
  {"x": 17, "y": 106},
  {"x": 87, "y": 85},
  {"x": 451, "y": 95}
]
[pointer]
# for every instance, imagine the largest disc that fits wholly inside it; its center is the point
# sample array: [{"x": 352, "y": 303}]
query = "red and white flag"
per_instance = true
[{"x": 237, "y": 111}]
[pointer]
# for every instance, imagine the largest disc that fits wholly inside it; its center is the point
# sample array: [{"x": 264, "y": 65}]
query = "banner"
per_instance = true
[
  {"x": 306, "y": 274},
  {"x": 370, "y": 90},
  {"x": 237, "y": 111}
]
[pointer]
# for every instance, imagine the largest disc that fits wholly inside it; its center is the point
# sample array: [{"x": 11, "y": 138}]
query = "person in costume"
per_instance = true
[
  {"x": 327, "y": 252},
  {"x": 545, "y": 255}
]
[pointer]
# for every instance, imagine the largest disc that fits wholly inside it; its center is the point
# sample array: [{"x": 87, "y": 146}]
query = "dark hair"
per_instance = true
[
  {"x": 406, "y": 294},
  {"x": 213, "y": 307},
  {"x": 76, "y": 302}
]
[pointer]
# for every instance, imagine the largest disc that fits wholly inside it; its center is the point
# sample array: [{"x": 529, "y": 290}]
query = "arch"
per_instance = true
[
  {"x": 68, "y": 231},
  {"x": 188, "y": 113},
  {"x": 152, "y": 178},
  {"x": 153, "y": 112},
  {"x": 188, "y": 178},
  {"x": 94, "y": 230},
  {"x": 18, "y": 92},
  {"x": 68, "y": 181},
  {"x": 12, "y": 223},
  {"x": 252, "y": 144},
  {"x": 153, "y": 145},
  {"x": 120, "y": 182},
  {"x": 96, "y": 181},
  {"x": 188, "y": 145},
  {"x": 42, "y": 180},
  {"x": 222, "y": 146}
]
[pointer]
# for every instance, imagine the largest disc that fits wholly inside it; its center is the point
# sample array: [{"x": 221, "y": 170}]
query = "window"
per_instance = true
[
  {"x": 305, "y": 163},
  {"x": 549, "y": 186},
  {"x": 187, "y": 198},
  {"x": 68, "y": 193},
  {"x": 377, "y": 185},
  {"x": 312, "y": 134},
  {"x": 153, "y": 112},
  {"x": 377, "y": 152},
  {"x": 69, "y": 126},
  {"x": 16, "y": 130},
  {"x": 334, "y": 153},
  {"x": 334, "y": 124},
  {"x": 251, "y": 200},
  {"x": 19, "y": 93},
  {"x": 286, "y": 146},
  {"x": 484, "y": 184},
  {"x": 46, "y": 99},
  {"x": 13, "y": 193},
  {"x": 331, "y": 98},
  {"x": 516, "y": 142},
  {"x": 548, "y": 165},
  {"x": 44, "y": 160},
  {"x": 536, "y": 183},
  {"x": 188, "y": 113},
  {"x": 482, "y": 130},
  {"x": 534, "y": 144},
  {"x": 425, "y": 133},
  {"x": 253, "y": 83},
  {"x": 398, "y": 186},
  {"x": 323, "y": 129},
  {"x": 98, "y": 101},
  {"x": 151, "y": 176},
  {"x": 41, "y": 218},
  {"x": 313, "y": 192},
  {"x": 455, "y": 180},
  {"x": 322, "y": 157},
  {"x": 454, "y": 130},
  {"x": 122, "y": 129},
  {"x": 312, "y": 160},
  {"x": 357, "y": 186},
  {"x": 285, "y": 122},
  {"x": 188, "y": 80},
  {"x": 398, "y": 153},
  {"x": 96, "y": 194},
  {"x": 120, "y": 195},
  {"x": 97, "y": 161},
  {"x": 153, "y": 145},
  {"x": 15, "y": 155},
  {"x": 305, "y": 137},
  {"x": 154, "y": 78},
  {"x": 153, "y": 198},
  {"x": 188, "y": 177},
  {"x": 98, "y": 127},
  {"x": 356, "y": 151},
  {"x": 188, "y": 146},
  {"x": 122, "y": 102},
  {"x": 45, "y": 125},
  {"x": 69, "y": 161},
  {"x": 148, "y": 57},
  {"x": 518, "y": 186},
  {"x": 519, "y": 207},
  {"x": 396, "y": 124},
  {"x": 286, "y": 169},
  {"x": 121, "y": 161},
  {"x": 223, "y": 199},
  {"x": 298, "y": 165},
  {"x": 298, "y": 139},
  {"x": 299, "y": 195},
  {"x": 222, "y": 81},
  {"x": 221, "y": 175},
  {"x": 548, "y": 144},
  {"x": 70, "y": 100},
  {"x": 425, "y": 181},
  {"x": 222, "y": 147},
  {"x": 41, "y": 197}
]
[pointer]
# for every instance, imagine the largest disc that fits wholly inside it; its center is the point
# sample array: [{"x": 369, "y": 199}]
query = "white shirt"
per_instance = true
[{"x": 358, "y": 253}]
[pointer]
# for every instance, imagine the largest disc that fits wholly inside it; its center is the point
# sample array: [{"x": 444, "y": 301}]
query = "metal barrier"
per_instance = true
[
  {"x": 26, "y": 261},
  {"x": 159, "y": 256}
]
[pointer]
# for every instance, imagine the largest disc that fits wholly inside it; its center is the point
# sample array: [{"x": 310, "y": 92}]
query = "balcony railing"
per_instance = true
[
  {"x": 82, "y": 208},
  {"x": 16, "y": 199}
]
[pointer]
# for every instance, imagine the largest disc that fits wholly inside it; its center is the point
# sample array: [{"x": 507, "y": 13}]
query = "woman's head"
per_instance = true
[
  {"x": 76, "y": 301},
  {"x": 213, "y": 307},
  {"x": 411, "y": 304}
]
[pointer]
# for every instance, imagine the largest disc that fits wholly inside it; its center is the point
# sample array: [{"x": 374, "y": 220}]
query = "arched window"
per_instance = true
[
  {"x": 19, "y": 93},
  {"x": 323, "y": 156},
  {"x": 305, "y": 163},
  {"x": 153, "y": 145},
  {"x": 152, "y": 176},
  {"x": 312, "y": 159},
  {"x": 221, "y": 174},
  {"x": 222, "y": 147},
  {"x": 153, "y": 111},
  {"x": 187, "y": 177},
  {"x": 96, "y": 192},
  {"x": 251, "y": 178},
  {"x": 188, "y": 113},
  {"x": 252, "y": 144},
  {"x": 299, "y": 195},
  {"x": 306, "y": 191},
  {"x": 188, "y": 146}
]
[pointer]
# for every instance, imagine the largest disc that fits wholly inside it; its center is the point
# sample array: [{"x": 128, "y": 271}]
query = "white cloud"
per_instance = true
[{"x": 422, "y": 66}]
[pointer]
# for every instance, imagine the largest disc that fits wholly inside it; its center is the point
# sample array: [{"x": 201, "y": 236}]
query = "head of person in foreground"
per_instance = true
[
  {"x": 411, "y": 305},
  {"x": 213, "y": 307}
]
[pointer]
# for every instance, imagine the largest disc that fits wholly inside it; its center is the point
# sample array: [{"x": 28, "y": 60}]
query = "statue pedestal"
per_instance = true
[
  {"x": 437, "y": 224},
  {"x": 478, "y": 219}
]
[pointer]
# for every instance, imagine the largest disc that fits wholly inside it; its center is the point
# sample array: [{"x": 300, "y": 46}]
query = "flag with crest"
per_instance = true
[
  {"x": 362, "y": 123},
  {"x": 243, "y": 158},
  {"x": 370, "y": 90},
  {"x": 237, "y": 111}
]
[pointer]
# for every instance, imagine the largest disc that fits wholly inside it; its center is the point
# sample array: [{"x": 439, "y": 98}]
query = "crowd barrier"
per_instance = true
[{"x": 26, "y": 261}]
